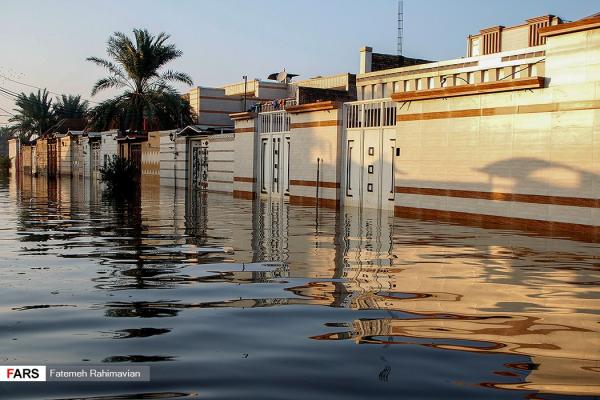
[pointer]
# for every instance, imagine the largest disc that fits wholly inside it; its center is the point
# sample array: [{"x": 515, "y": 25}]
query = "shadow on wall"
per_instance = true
[
  {"x": 529, "y": 175},
  {"x": 522, "y": 175}
]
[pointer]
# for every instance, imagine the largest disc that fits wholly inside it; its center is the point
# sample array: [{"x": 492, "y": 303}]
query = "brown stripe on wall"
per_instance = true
[
  {"x": 244, "y": 194},
  {"x": 229, "y": 98},
  {"x": 470, "y": 89},
  {"x": 312, "y": 201},
  {"x": 522, "y": 198},
  {"x": 587, "y": 233},
  {"x": 243, "y": 179},
  {"x": 243, "y": 130},
  {"x": 315, "y": 124},
  {"x": 484, "y": 112},
  {"x": 214, "y": 111},
  {"x": 570, "y": 27},
  {"x": 318, "y": 106},
  {"x": 297, "y": 182},
  {"x": 217, "y": 181}
]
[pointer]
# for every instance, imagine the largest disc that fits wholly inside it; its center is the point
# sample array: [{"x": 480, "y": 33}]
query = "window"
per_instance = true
[
  {"x": 406, "y": 86},
  {"x": 430, "y": 83},
  {"x": 419, "y": 84}
]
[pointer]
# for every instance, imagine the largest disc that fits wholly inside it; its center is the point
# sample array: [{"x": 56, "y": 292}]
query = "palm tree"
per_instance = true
[
  {"x": 34, "y": 114},
  {"x": 68, "y": 106},
  {"x": 136, "y": 66}
]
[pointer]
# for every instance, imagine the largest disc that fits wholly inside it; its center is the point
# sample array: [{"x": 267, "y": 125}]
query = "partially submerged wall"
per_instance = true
[{"x": 522, "y": 156}]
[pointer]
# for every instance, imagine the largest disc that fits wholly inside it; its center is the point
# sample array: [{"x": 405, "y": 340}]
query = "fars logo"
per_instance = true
[{"x": 23, "y": 373}]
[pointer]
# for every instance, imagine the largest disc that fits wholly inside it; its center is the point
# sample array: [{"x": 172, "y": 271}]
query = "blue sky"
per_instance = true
[{"x": 45, "y": 43}]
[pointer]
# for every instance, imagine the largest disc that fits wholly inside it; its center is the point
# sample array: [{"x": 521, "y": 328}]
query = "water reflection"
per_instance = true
[{"x": 197, "y": 280}]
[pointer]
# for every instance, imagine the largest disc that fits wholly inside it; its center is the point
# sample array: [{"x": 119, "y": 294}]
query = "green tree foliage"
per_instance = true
[
  {"x": 69, "y": 106},
  {"x": 34, "y": 114},
  {"x": 136, "y": 67}
]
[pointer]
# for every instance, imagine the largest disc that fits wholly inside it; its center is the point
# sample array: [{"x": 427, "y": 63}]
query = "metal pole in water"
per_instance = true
[{"x": 318, "y": 177}]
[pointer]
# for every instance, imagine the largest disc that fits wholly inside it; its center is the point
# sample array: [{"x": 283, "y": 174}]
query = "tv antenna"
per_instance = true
[{"x": 400, "y": 27}]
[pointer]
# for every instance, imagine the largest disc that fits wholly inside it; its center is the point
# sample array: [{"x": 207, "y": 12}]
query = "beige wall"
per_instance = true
[
  {"x": 221, "y": 162},
  {"x": 64, "y": 155},
  {"x": 244, "y": 164},
  {"x": 310, "y": 142},
  {"x": 13, "y": 150},
  {"x": 551, "y": 148},
  {"x": 41, "y": 159},
  {"x": 173, "y": 160}
]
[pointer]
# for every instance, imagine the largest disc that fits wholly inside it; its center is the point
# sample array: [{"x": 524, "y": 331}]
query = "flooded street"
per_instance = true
[{"x": 228, "y": 298}]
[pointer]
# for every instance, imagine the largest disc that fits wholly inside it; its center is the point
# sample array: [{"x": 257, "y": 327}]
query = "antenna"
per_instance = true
[{"x": 400, "y": 26}]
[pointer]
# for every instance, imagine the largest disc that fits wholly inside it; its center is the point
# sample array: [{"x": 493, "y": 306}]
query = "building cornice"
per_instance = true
[
  {"x": 570, "y": 27},
  {"x": 471, "y": 89},
  {"x": 318, "y": 106}
]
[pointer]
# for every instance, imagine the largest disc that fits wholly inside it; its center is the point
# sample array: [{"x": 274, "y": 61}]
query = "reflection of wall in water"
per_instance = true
[
  {"x": 270, "y": 230},
  {"x": 484, "y": 291}
]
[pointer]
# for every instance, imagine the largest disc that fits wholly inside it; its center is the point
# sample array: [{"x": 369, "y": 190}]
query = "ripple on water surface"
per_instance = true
[{"x": 228, "y": 298}]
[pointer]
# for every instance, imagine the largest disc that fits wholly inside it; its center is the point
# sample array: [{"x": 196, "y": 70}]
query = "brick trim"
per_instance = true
[
  {"x": 523, "y": 109},
  {"x": 315, "y": 124},
  {"x": 498, "y": 196},
  {"x": 243, "y": 179},
  {"x": 213, "y": 112},
  {"x": 298, "y": 182},
  {"x": 570, "y": 27},
  {"x": 471, "y": 89},
  {"x": 243, "y": 130},
  {"x": 317, "y": 106},
  {"x": 242, "y": 115}
]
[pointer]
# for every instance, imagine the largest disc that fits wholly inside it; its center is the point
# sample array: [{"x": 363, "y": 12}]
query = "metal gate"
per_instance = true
[
  {"x": 52, "y": 158},
  {"x": 95, "y": 157},
  {"x": 199, "y": 161},
  {"x": 369, "y": 154}
]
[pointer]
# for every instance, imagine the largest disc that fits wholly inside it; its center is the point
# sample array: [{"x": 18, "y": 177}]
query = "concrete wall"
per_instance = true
[
  {"x": 315, "y": 137},
  {"x": 212, "y": 107},
  {"x": 41, "y": 158},
  {"x": 173, "y": 160},
  {"x": 108, "y": 147},
  {"x": 84, "y": 162},
  {"x": 64, "y": 155},
  {"x": 221, "y": 155},
  {"x": 244, "y": 170},
  {"x": 26, "y": 158},
  {"x": 525, "y": 154},
  {"x": 13, "y": 154}
]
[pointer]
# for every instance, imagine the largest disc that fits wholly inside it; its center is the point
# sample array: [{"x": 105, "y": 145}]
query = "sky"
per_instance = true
[{"x": 45, "y": 43}]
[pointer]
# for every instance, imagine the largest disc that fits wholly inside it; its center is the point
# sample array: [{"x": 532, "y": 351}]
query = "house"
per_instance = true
[{"x": 503, "y": 136}]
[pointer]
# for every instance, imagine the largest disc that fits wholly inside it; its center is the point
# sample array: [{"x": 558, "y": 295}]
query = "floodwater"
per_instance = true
[{"x": 233, "y": 299}]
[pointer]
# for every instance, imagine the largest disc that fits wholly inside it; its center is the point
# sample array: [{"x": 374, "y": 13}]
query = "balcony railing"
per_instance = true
[
  {"x": 370, "y": 113},
  {"x": 274, "y": 105},
  {"x": 274, "y": 122}
]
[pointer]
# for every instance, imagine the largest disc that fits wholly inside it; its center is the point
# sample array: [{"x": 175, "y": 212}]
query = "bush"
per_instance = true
[
  {"x": 119, "y": 173},
  {"x": 4, "y": 163}
]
